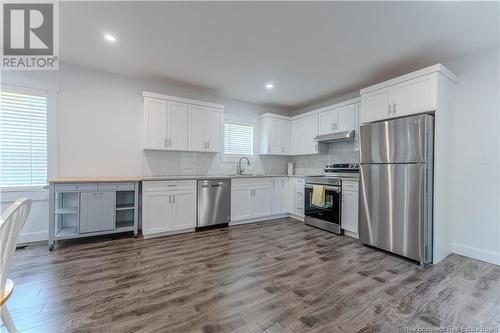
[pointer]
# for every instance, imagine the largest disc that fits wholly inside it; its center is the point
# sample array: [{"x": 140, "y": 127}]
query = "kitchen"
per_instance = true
[{"x": 179, "y": 165}]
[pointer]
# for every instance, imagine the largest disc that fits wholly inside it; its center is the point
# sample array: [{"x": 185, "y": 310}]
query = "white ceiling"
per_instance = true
[{"x": 311, "y": 51}]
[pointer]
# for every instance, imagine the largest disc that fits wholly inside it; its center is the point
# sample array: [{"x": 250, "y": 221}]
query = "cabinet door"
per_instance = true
[
  {"x": 178, "y": 126},
  {"x": 327, "y": 121},
  {"x": 213, "y": 129},
  {"x": 264, "y": 135},
  {"x": 350, "y": 211},
  {"x": 274, "y": 144},
  {"x": 184, "y": 213},
  {"x": 276, "y": 197},
  {"x": 414, "y": 96},
  {"x": 97, "y": 211},
  {"x": 285, "y": 137},
  {"x": 196, "y": 127},
  {"x": 345, "y": 119},
  {"x": 261, "y": 203},
  {"x": 156, "y": 212},
  {"x": 283, "y": 183},
  {"x": 310, "y": 131},
  {"x": 156, "y": 123},
  {"x": 241, "y": 203},
  {"x": 375, "y": 106},
  {"x": 292, "y": 196},
  {"x": 296, "y": 137}
]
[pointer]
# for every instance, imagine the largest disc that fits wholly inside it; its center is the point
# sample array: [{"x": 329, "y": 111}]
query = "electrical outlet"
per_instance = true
[{"x": 483, "y": 159}]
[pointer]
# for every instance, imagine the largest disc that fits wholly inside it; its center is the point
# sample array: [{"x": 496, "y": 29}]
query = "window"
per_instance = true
[
  {"x": 23, "y": 138},
  {"x": 238, "y": 139}
]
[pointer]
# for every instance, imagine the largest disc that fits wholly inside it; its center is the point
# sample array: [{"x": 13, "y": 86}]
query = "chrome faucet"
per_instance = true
[{"x": 239, "y": 169}]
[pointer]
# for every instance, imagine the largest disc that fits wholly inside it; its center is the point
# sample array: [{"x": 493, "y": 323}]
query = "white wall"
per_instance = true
[
  {"x": 98, "y": 124},
  {"x": 476, "y": 218}
]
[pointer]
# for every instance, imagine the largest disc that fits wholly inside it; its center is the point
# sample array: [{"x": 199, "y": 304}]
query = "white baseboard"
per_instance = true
[
  {"x": 351, "y": 234},
  {"x": 259, "y": 219},
  {"x": 296, "y": 217},
  {"x": 479, "y": 254},
  {"x": 167, "y": 233},
  {"x": 30, "y": 237}
]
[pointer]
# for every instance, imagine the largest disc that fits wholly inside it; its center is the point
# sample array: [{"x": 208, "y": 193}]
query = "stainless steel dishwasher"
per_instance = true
[{"x": 214, "y": 202}]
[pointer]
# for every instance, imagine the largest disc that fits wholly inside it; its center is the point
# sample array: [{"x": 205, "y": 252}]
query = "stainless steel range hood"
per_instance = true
[{"x": 335, "y": 137}]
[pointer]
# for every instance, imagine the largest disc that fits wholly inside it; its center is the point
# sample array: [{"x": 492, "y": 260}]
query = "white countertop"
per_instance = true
[{"x": 165, "y": 177}]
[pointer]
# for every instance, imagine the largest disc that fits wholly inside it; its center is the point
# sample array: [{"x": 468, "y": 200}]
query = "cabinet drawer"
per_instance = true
[
  {"x": 75, "y": 187},
  {"x": 160, "y": 185},
  {"x": 116, "y": 186},
  {"x": 350, "y": 186}
]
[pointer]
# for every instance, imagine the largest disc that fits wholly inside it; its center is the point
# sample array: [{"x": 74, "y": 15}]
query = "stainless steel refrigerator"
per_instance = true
[{"x": 396, "y": 192}]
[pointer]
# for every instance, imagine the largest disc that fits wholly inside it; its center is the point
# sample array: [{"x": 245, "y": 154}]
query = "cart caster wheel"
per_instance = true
[{"x": 51, "y": 247}]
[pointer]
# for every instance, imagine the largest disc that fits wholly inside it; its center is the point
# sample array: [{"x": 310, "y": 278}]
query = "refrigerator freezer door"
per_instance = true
[
  {"x": 393, "y": 209},
  {"x": 403, "y": 140}
]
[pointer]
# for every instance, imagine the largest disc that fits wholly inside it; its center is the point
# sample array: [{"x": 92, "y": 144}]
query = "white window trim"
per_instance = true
[
  {"x": 52, "y": 135},
  {"x": 233, "y": 158}
]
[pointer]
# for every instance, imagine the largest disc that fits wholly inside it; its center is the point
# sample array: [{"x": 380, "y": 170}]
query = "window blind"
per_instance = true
[
  {"x": 238, "y": 139},
  {"x": 23, "y": 139}
]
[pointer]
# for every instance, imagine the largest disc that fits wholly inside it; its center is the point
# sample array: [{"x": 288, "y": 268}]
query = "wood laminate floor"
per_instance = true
[{"x": 279, "y": 276}]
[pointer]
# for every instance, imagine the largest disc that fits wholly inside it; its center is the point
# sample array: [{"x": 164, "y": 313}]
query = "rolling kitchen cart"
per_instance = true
[{"x": 79, "y": 208}]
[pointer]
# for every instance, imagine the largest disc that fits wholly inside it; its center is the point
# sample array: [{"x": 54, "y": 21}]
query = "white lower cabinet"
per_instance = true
[
  {"x": 251, "y": 198},
  {"x": 350, "y": 207},
  {"x": 280, "y": 196},
  {"x": 168, "y": 206},
  {"x": 296, "y": 196}
]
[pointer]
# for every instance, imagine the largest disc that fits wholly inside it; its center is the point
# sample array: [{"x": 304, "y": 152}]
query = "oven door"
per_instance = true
[{"x": 327, "y": 216}]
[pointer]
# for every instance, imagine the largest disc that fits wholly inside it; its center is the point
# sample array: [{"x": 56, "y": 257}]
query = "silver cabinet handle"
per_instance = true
[
  {"x": 393, "y": 107},
  {"x": 169, "y": 198},
  {"x": 389, "y": 111},
  {"x": 174, "y": 198}
]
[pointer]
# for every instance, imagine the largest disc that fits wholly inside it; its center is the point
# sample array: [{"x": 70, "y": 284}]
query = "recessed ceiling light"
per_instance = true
[
  {"x": 269, "y": 86},
  {"x": 110, "y": 38}
]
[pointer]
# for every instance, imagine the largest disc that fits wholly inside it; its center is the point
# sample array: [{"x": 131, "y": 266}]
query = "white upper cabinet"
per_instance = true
[
  {"x": 212, "y": 130},
  {"x": 337, "y": 120},
  {"x": 177, "y": 126},
  {"x": 156, "y": 115},
  {"x": 204, "y": 129},
  {"x": 304, "y": 130},
  {"x": 413, "y": 93},
  {"x": 196, "y": 125},
  {"x": 274, "y": 136},
  {"x": 174, "y": 123}
]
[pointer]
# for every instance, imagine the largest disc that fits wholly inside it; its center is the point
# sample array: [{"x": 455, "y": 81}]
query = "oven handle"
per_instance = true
[{"x": 329, "y": 188}]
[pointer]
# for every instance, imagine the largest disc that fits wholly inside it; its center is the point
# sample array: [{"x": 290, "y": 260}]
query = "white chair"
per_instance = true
[{"x": 11, "y": 224}]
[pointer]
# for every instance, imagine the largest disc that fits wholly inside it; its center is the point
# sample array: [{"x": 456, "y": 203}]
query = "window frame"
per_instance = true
[
  {"x": 235, "y": 157},
  {"x": 52, "y": 155}
]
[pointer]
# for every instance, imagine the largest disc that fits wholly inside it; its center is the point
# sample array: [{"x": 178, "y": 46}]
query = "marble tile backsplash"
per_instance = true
[
  {"x": 339, "y": 152},
  {"x": 163, "y": 163}
]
